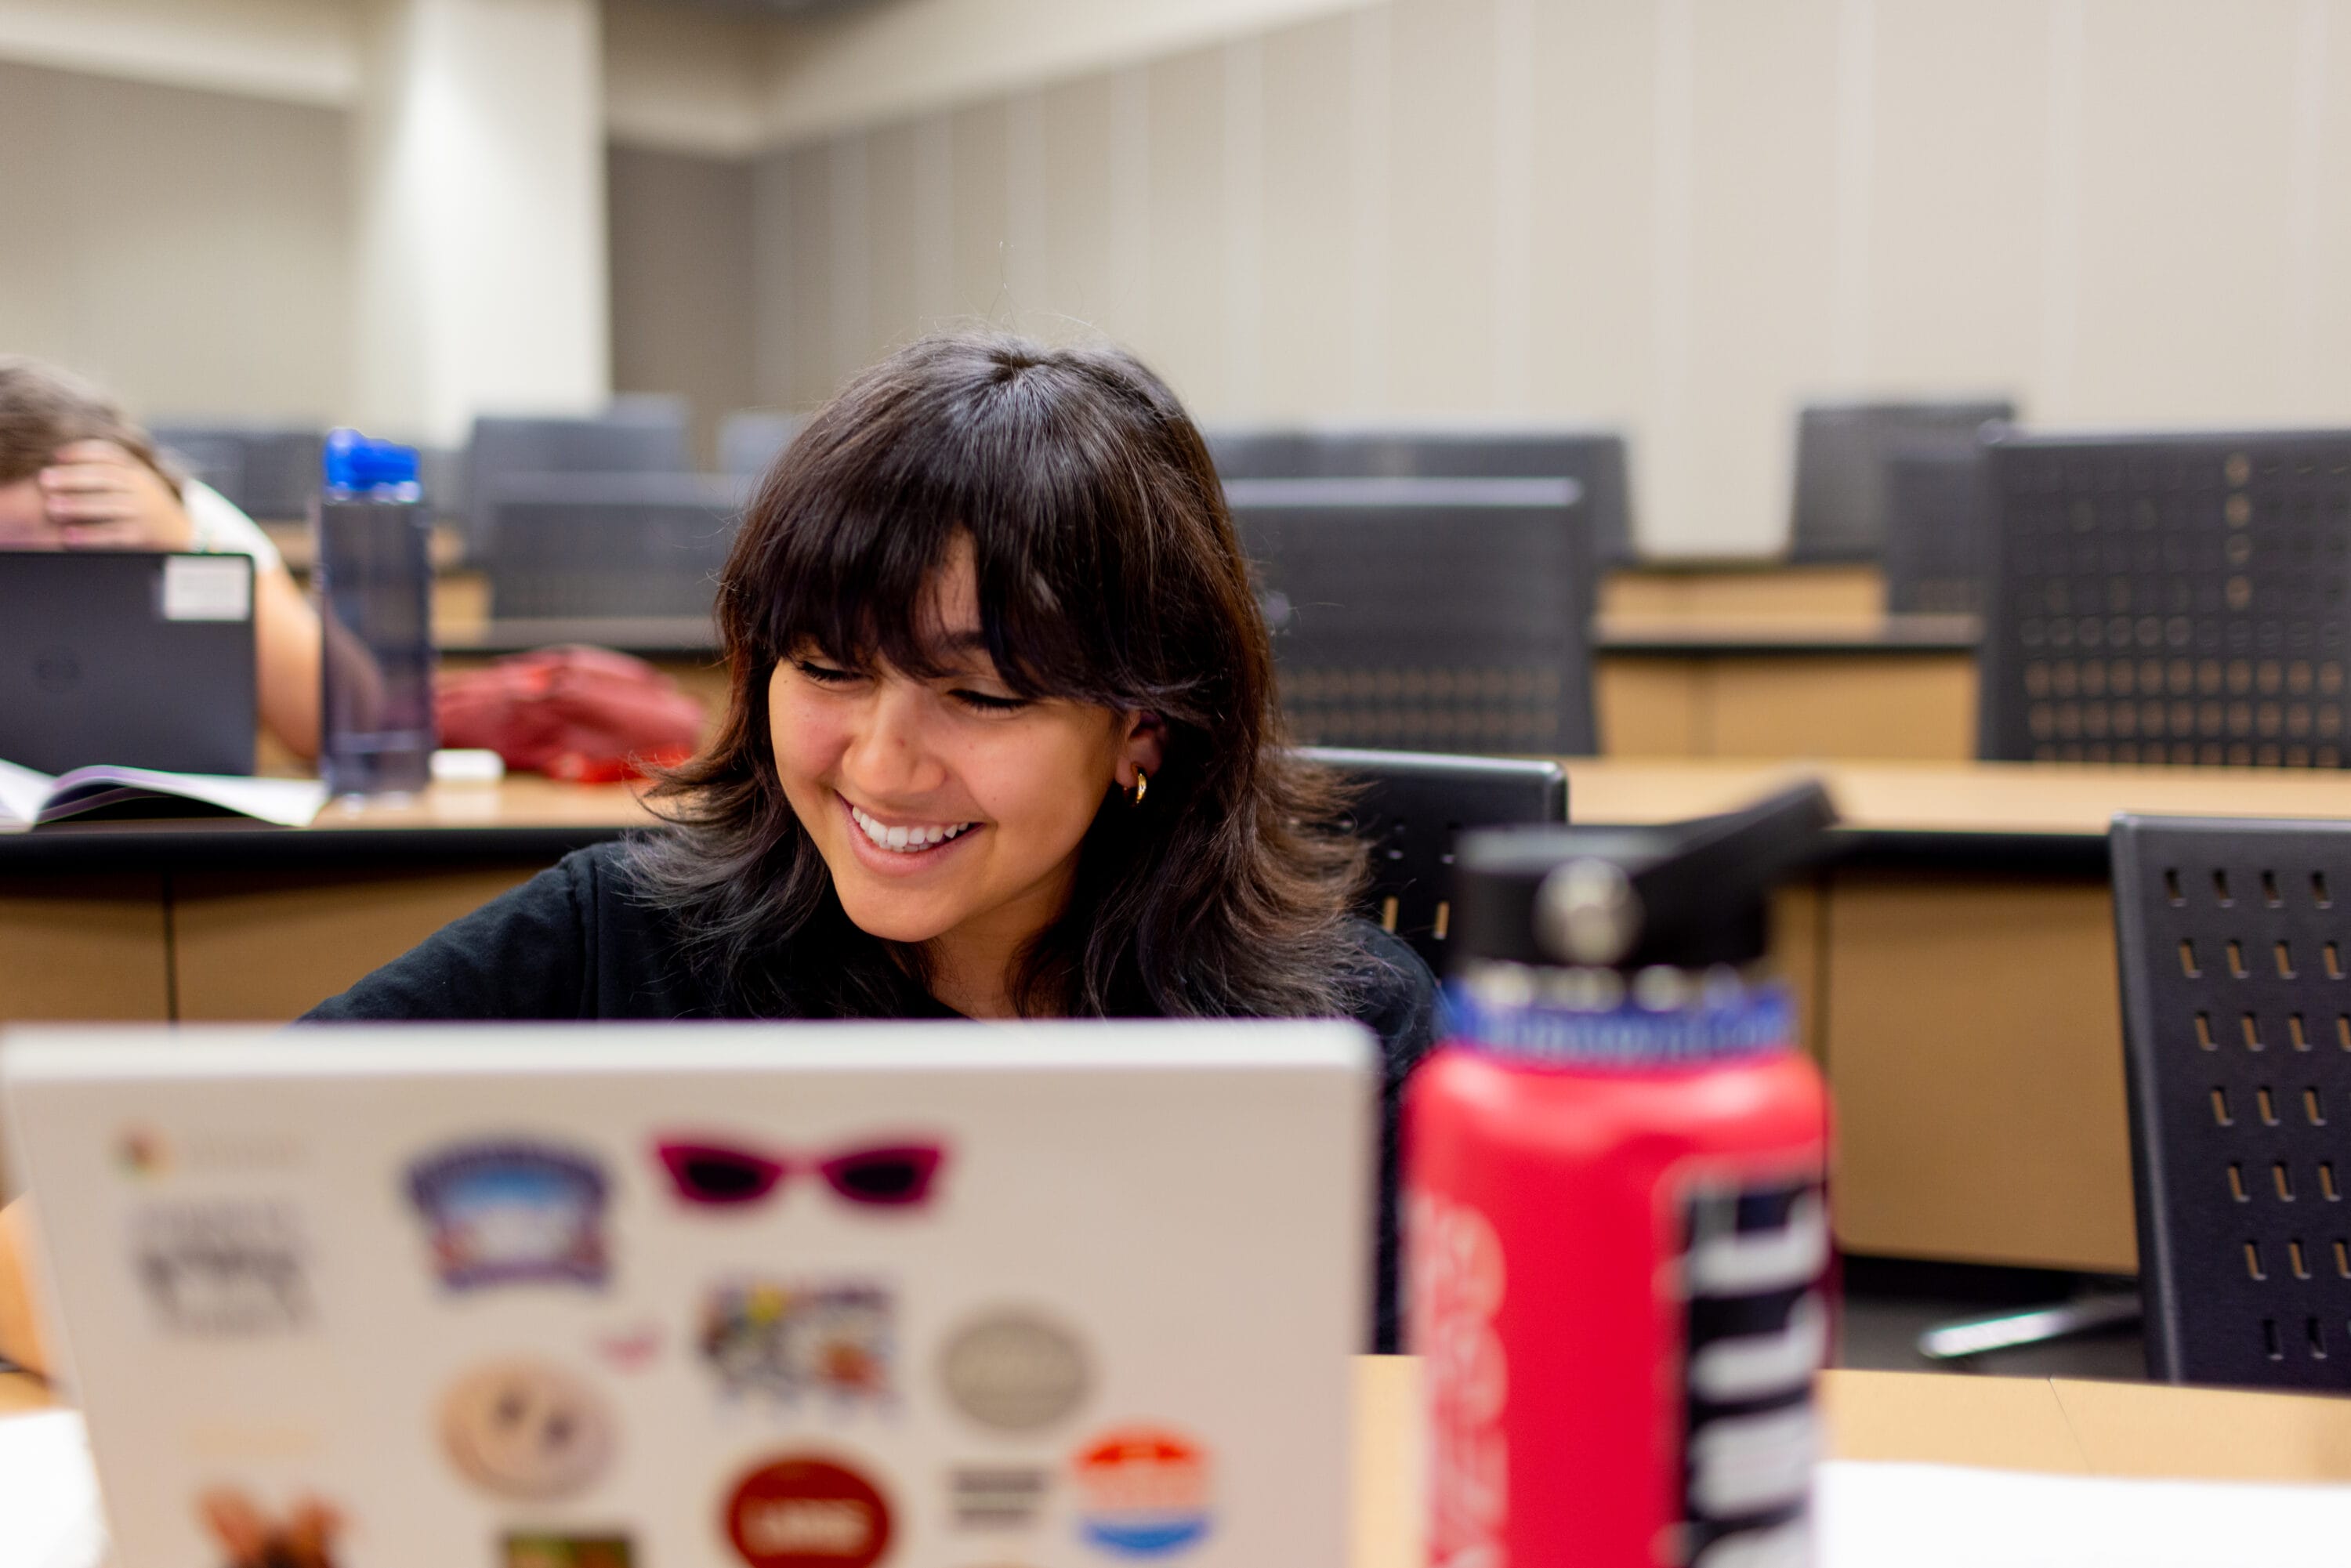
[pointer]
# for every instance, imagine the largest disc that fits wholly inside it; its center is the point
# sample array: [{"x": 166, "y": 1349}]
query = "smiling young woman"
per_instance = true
[{"x": 1002, "y": 741}]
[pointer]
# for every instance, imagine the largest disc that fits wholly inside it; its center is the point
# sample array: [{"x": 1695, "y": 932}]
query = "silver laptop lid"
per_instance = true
[{"x": 797, "y": 1296}]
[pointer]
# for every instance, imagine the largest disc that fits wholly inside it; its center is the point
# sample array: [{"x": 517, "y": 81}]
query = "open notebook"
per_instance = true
[{"x": 28, "y": 798}]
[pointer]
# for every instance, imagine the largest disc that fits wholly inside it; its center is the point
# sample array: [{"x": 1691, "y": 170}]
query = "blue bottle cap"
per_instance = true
[{"x": 354, "y": 463}]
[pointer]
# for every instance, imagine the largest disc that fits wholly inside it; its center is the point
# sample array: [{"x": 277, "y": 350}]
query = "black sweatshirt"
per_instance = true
[{"x": 575, "y": 943}]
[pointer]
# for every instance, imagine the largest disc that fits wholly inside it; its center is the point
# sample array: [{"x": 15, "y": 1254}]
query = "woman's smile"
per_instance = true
[{"x": 894, "y": 845}]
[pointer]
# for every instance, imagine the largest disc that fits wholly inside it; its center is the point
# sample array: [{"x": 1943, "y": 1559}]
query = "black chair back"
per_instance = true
[
  {"x": 601, "y": 546},
  {"x": 270, "y": 474},
  {"x": 1426, "y": 614},
  {"x": 1938, "y": 549},
  {"x": 1411, "y": 806},
  {"x": 2171, "y": 599},
  {"x": 2237, "y": 1033},
  {"x": 641, "y": 436},
  {"x": 1842, "y": 449},
  {"x": 1595, "y": 459}
]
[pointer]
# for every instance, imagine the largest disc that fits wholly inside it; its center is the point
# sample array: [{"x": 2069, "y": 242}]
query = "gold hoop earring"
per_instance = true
[{"x": 1141, "y": 783}]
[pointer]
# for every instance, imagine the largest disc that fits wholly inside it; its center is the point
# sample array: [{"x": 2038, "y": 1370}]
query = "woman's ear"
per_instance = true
[{"x": 1146, "y": 741}]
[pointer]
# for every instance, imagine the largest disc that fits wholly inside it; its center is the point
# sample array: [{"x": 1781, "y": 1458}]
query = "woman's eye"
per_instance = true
[
  {"x": 984, "y": 703},
  {"x": 824, "y": 674}
]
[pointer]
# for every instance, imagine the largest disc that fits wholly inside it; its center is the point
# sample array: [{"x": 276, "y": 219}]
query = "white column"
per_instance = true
[{"x": 482, "y": 278}]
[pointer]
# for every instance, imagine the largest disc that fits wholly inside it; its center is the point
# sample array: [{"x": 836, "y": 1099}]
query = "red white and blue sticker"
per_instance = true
[
  {"x": 511, "y": 1212},
  {"x": 1143, "y": 1491}
]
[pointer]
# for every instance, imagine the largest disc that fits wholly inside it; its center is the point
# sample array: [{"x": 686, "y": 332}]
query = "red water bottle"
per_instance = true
[{"x": 1618, "y": 1245}]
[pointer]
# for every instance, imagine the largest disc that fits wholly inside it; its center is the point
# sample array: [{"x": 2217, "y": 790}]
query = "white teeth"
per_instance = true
[{"x": 905, "y": 840}]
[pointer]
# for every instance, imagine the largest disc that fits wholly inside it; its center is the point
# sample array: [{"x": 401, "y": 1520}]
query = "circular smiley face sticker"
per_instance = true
[
  {"x": 524, "y": 1429},
  {"x": 800, "y": 1511}
]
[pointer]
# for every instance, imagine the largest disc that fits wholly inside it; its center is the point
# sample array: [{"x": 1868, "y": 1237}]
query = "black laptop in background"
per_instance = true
[{"x": 127, "y": 658}]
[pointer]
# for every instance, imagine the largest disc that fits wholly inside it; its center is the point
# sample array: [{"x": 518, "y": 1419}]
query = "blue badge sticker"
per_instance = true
[
  {"x": 1143, "y": 1491},
  {"x": 512, "y": 1212}
]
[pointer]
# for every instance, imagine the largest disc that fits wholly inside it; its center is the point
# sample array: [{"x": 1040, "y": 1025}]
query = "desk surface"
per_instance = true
[{"x": 1920, "y": 809}]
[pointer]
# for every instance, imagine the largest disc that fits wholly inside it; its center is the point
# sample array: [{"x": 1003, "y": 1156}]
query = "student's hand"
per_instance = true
[{"x": 99, "y": 496}]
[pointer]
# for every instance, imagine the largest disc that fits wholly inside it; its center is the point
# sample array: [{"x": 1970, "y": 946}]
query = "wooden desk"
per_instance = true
[
  {"x": 1955, "y": 965},
  {"x": 2023, "y": 1424}
]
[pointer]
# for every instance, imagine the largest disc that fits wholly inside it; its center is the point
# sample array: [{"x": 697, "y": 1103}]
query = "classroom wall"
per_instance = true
[
  {"x": 1682, "y": 215},
  {"x": 682, "y": 270},
  {"x": 190, "y": 250}
]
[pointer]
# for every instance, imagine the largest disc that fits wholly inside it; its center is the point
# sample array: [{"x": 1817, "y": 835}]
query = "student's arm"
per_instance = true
[
  {"x": 20, "y": 1338},
  {"x": 286, "y": 629}
]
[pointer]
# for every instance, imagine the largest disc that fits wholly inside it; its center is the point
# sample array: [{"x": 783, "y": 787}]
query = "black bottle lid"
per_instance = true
[{"x": 1690, "y": 894}]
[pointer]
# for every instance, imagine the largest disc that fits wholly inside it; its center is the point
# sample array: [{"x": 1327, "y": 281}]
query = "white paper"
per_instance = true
[
  {"x": 49, "y": 1495},
  {"x": 23, "y": 792},
  {"x": 27, "y": 797},
  {"x": 1942, "y": 1516},
  {"x": 208, "y": 588}
]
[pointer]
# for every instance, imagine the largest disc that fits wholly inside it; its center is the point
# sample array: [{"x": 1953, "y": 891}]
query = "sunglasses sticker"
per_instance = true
[
  {"x": 996, "y": 1497},
  {"x": 301, "y": 1535},
  {"x": 714, "y": 1172},
  {"x": 227, "y": 1270},
  {"x": 510, "y": 1213},
  {"x": 790, "y": 1344},
  {"x": 1142, "y": 1492},
  {"x": 803, "y": 1511},
  {"x": 1015, "y": 1371},
  {"x": 554, "y": 1551},
  {"x": 526, "y": 1429}
]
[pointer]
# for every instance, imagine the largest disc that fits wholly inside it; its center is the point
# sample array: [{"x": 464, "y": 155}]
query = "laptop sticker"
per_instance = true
[
  {"x": 512, "y": 1212},
  {"x": 224, "y": 1268},
  {"x": 557, "y": 1551},
  {"x": 721, "y": 1173},
  {"x": 996, "y": 1497},
  {"x": 806, "y": 1511},
  {"x": 1142, "y": 1492},
  {"x": 301, "y": 1535},
  {"x": 524, "y": 1429},
  {"x": 207, "y": 588},
  {"x": 1015, "y": 1371},
  {"x": 792, "y": 1342}
]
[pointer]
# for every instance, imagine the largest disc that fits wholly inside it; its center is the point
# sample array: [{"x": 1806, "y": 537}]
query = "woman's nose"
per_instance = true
[{"x": 889, "y": 754}]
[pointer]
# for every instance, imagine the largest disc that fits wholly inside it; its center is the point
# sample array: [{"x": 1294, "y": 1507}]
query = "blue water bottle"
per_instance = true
[{"x": 374, "y": 580}]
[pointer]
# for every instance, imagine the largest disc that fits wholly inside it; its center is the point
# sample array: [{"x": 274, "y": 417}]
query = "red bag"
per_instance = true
[{"x": 588, "y": 715}]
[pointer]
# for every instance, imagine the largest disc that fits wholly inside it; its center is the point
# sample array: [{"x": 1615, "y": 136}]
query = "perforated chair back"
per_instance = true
[
  {"x": 641, "y": 436},
  {"x": 1842, "y": 450},
  {"x": 751, "y": 439},
  {"x": 2172, "y": 599},
  {"x": 1409, "y": 809},
  {"x": 610, "y": 545},
  {"x": 1937, "y": 547},
  {"x": 1595, "y": 459},
  {"x": 271, "y": 473},
  {"x": 2234, "y": 939},
  {"x": 1426, "y": 614}
]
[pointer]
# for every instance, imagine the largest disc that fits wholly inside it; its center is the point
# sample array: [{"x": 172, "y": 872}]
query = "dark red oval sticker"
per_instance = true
[{"x": 805, "y": 1512}]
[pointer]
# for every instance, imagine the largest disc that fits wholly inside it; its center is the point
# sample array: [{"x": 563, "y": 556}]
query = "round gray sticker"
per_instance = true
[{"x": 1015, "y": 1371}]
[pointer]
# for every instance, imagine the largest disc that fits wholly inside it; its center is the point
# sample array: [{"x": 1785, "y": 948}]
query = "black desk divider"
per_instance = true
[
  {"x": 637, "y": 435},
  {"x": 751, "y": 439},
  {"x": 2232, "y": 935},
  {"x": 2169, "y": 598},
  {"x": 1595, "y": 459},
  {"x": 1426, "y": 614},
  {"x": 583, "y": 546},
  {"x": 1938, "y": 554},
  {"x": 271, "y": 473},
  {"x": 1409, "y": 809},
  {"x": 1842, "y": 449}
]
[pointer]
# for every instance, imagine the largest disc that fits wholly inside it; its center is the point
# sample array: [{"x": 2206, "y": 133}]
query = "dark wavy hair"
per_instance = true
[{"x": 1109, "y": 573}]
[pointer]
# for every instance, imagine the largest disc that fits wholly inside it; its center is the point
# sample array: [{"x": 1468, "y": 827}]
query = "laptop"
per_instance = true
[
  {"x": 127, "y": 658},
  {"x": 761, "y": 1296}
]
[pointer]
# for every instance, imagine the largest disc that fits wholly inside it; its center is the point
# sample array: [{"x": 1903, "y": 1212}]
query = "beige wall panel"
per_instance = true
[
  {"x": 189, "y": 250},
  {"x": 1958, "y": 146},
  {"x": 1975, "y": 1052},
  {"x": 1591, "y": 221},
  {"x": 267, "y": 947},
  {"x": 83, "y": 947},
  {"x": 1083, "y": 294},
  {"x": 1763, "y": 259},
  {"x": 981, "y": 227},
  {"x": 1183, "y": 334},
  {"x": 1441, "y": 205},
  {"x": 1308, "y": 266},
  {"x": 774, "y": 222},
  {"x": 2318, "y": 341},
  {"x": 1918, "y": 708},
  {"x": 682, "y": 293},
  {"x": 795, "y": 272},
  {"x": 1650, "y": 708},
  {"x": 892, "y": 290},
  {"x": 2187, "y": 125}
]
